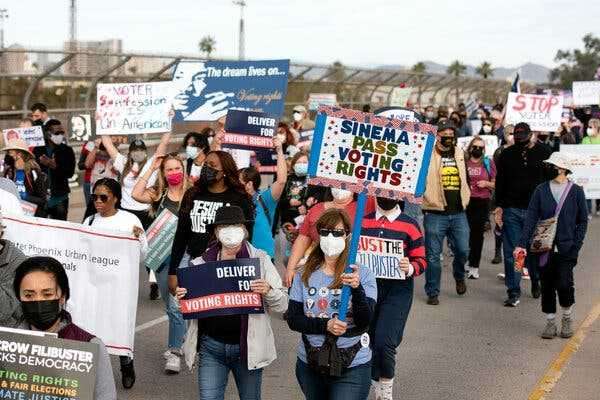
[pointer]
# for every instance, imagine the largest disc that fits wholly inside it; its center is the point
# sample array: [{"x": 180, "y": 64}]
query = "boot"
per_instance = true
[{"x": 497, "y": 256}]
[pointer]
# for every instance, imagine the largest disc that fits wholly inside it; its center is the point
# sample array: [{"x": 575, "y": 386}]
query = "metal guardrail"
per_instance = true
[{"x": 78, "y": 72}]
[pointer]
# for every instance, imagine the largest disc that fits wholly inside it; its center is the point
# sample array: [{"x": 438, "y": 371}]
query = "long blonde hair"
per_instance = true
[
  {"x": 329, "y": 220},
  {"x": 160, "y": 187}
]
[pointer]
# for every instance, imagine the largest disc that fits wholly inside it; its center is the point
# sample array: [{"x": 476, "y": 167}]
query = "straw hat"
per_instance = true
[{"x": 17, "y": 144}]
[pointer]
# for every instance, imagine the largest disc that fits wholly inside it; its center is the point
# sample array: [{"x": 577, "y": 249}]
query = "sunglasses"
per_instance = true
[
  {"x": 477, "y": 147},
  {"x": 334, "y": 232},
  {"x": 102, "y": 197}
]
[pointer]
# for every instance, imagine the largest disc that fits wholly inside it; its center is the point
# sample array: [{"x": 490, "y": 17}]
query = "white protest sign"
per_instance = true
[
  {"x": 399, "y": 96},
  {"x": 316, "y": 99},
  {"x": 586, "y": 93},
  {"x": 541, "y": 112},
  {"x": 382, "y": 256},
  {"x": 134, "y": 108},
  {"x": 103, "y": 271},
  {"x": 491, "y": 143},
  {"x": 33, "y": 136},
  {"x": 585, "y": 159}
]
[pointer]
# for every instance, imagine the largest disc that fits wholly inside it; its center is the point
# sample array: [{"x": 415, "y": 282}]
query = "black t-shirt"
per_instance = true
[
  {"x": 224, "y": 328},
  {"x": 451, "y": 184},
  {"x": 197, "y": 212}
]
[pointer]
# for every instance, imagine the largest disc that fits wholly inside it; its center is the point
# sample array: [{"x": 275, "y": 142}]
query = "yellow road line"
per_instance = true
[{"x": 554, "y": 372}]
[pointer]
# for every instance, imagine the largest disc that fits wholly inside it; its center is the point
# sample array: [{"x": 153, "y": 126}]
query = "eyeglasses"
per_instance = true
[
  {"x": 102, "y": 197},
  {"x": 334, "y": 232}
]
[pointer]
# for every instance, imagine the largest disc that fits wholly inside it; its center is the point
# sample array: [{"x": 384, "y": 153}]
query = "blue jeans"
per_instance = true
[
  {"x": 437, "y": 227},
  {"x": 513, "y": 220},
  {"x": 177, "y": 325},
  {"x": 354, "y": 384},
  {"x": 215, "y": 361},
  {"x": 87, "y": 192},
  {"x": 394, "y": 300}
]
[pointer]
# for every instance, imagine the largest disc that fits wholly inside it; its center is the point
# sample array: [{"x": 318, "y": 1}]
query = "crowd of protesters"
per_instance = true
[{"x": 301, "y": 236}]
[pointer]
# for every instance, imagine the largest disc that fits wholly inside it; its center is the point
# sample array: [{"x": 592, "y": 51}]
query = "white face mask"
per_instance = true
[
  {"x": 590, "y": 131},
  {"x": 56, "y": 139},
  {"x": 231, "y": 236},
  {"x": 138, "y": 156},
  {"x": 195, "y": 171},
  {"x": 191, "y": 152},
  {"x": 487, "y": 129},
  {"x": 297, "y": 116},
  {"x": 340, "y": 194},
  {"x": 332, "y": 246},
  {"x": 210, "y": 140}
]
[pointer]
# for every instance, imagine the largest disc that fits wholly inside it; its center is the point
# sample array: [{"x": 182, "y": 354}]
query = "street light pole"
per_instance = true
[
  {"x": 241, "y": 43},
  {"x": 3, "y": 17}
]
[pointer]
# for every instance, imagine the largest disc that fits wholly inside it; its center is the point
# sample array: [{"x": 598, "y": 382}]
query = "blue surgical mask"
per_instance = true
[
  {"x": 301, "y": 169},
  {"x": 191, "y": 151}
]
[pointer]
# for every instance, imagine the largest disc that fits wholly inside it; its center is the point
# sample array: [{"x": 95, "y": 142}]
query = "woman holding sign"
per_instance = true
[
  {"x": 106, "y": 202},
  {"x": 166, "y": 196},
  {"x": 42, "y": 286},
  {"x": 334, "y": 357},
  {"x": 242, "y": 344}
]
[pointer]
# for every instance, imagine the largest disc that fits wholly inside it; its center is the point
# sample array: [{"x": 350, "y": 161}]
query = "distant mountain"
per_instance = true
[{"x": 530, "y": 72}]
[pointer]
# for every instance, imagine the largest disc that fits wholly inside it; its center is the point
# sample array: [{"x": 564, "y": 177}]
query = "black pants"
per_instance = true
[
  {"x": 59, "y": 211},
  {"x": 478, "y": 212},
  {"x": 557, "y": 278}
]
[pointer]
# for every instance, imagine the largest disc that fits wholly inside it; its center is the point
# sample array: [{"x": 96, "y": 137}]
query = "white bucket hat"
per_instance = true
[{"x": 560, "y": 160}]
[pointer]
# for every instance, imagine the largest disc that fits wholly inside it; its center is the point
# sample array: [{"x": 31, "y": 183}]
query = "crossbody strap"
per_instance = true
[
  {"x": 563, "y": 198},
  {"x": 265, "y": 209}
]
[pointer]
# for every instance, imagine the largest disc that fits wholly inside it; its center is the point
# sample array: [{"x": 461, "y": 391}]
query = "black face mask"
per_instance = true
[
  {"x": 521, "y": 139},
  {"x": 476, "y": 153},
  {"x": 9, "y": 160},
  {"x": 543, "y": 138},
  {"x": 386, "y": 204},
  {"x": 208, "y": 175},
  {"x": 41, "y": 314},
  {"x": 447, "y": 141}
]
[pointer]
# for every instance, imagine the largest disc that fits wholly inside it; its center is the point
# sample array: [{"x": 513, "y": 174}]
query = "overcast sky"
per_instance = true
[{"x": 369, "y": 32}]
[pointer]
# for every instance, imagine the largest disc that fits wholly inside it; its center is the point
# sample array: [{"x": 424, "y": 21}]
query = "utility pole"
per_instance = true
[
  {"x": 73, "y": 20},
  {"x": 3, "y": 17},
  {"x": 241, "y": 43}
]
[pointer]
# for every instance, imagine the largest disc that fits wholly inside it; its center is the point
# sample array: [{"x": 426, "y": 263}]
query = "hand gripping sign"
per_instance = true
[{"x": 369, "y": 155}]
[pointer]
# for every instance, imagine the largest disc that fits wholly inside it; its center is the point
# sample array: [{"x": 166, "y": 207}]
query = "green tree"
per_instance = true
[
  {"x": 576, "y": 64},
  {"x": 456, "y": 68},
  {"x": 419, "y": 68},
  {"x": 207, "y": 45},
  {"x": 484, "y": 70}
]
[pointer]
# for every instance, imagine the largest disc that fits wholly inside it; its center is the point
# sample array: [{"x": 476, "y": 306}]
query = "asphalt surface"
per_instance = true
[{"x": 468, "y": 347}]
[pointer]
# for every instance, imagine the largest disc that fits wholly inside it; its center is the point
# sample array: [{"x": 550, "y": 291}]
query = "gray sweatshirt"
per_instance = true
[{"x": 10, "y": 308}]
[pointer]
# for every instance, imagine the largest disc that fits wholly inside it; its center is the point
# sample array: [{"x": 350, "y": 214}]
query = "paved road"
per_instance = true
[{"x": 466, "y": 348}]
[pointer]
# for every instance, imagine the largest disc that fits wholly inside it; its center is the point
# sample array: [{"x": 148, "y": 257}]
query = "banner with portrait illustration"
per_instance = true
[
  {"x": 133, "y": 108},
  {"x": 205, "y": 90},
  {"x": 36, "y": 366},
  {"x": 98, "y": 262},
  {"x": 369, "y": 154}
]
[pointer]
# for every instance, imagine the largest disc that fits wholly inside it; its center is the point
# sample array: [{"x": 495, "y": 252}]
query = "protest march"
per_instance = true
[{"x": 312, "y": 231}]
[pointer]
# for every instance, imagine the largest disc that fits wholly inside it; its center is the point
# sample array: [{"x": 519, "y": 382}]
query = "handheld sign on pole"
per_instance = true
[{"x": 369, "y": 155}]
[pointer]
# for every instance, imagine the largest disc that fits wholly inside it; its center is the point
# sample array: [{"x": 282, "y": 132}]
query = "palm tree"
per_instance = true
[
  {"x": 484, "y": 70},
  {"x": 207, "y": 45},
  {"x": 456, "y": 68},
  {"x": 419, "y": 68}
]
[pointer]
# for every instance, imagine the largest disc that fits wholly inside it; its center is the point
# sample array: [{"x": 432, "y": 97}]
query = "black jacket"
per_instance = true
[{"x": 65, "y": 167}]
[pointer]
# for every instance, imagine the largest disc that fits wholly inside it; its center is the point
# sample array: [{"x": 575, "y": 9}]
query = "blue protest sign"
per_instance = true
[
  {"x": 249, "y": 130},
  {"x": 205, "y": 90},
  {"x": 220, "y": 288}
]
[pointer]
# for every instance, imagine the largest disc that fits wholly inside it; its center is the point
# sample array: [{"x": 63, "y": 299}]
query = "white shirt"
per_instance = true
[
  {"x": 9, "y": 204},
  {"x": 122, "y": 221},
  {"x": 129, "y": 181},
  {"x": 392, "y": 215}
]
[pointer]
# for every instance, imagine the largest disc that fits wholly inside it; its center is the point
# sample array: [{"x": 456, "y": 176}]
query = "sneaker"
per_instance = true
[
  {"x": 386, "y": 389},
  {"x": 154, "y": 293},
  {"x": 376, "y": 389},
  {"x": 473, "y": 273},
  {"x": 173, "y": 362},
  {"x": 512, "y": 302},
  {"x": 461, "y": 287},
  {"x": 566, "y": 330},
  {"x": 525, "y": 274},
  {"x": 433, "y": 300},
  {"x": 501, "y": 276},
  {"x": 549, "y": 331},
  {"x": 536, "y": 291},
  {"x": 128, "y": 375}
]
